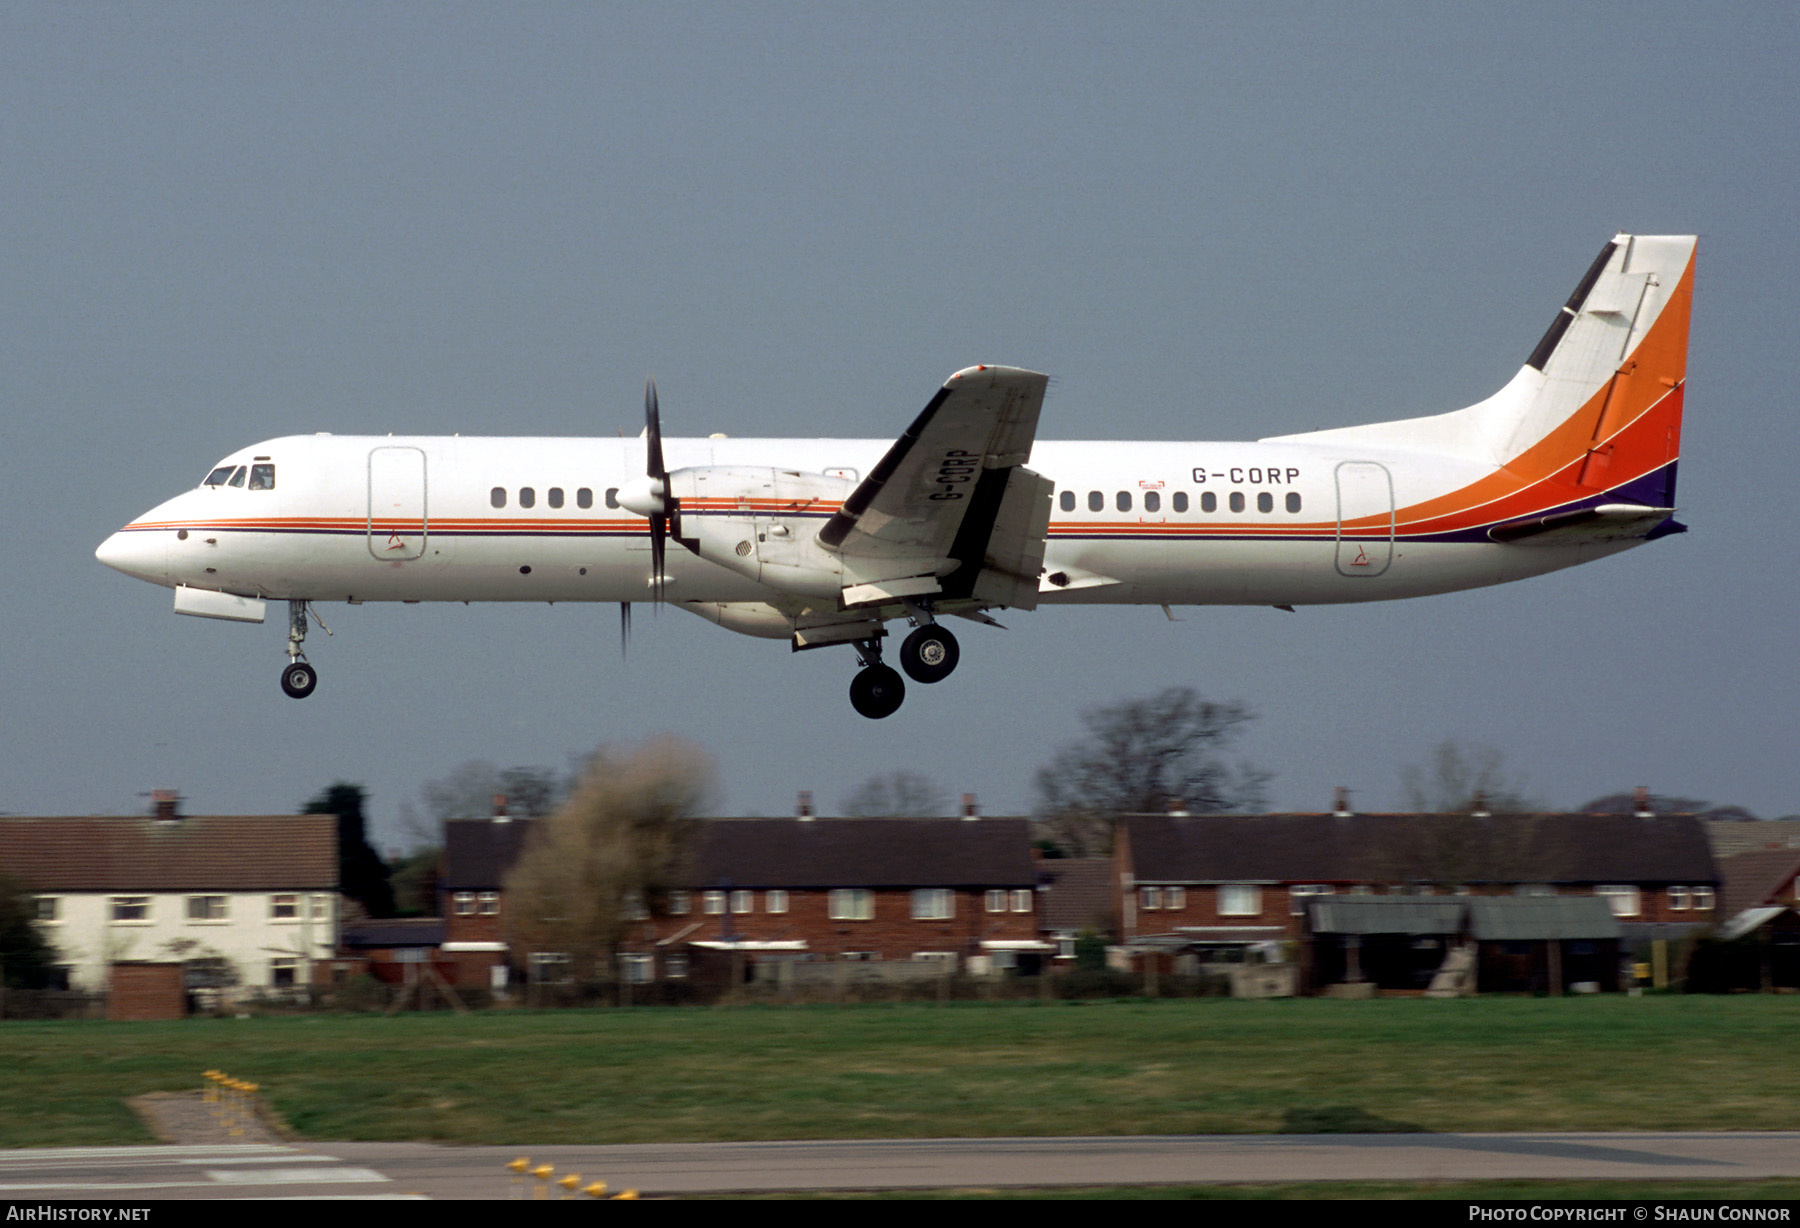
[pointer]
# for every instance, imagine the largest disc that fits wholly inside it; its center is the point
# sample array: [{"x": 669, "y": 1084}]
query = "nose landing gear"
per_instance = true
[{"x": 298, "y": 677}]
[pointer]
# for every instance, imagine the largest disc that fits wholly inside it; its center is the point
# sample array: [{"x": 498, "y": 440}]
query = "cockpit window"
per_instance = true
[
  {"x": 262, "y": 477},
  {"x": 217, "y": 476},
  {"x": 237, "y": 477}
]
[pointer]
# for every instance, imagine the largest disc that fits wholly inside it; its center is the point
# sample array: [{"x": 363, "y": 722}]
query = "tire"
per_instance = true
[
  {"x": 298, "y": 679},
  {"x": 929, "y": 654},
  {"x": 877, "y": 692}
]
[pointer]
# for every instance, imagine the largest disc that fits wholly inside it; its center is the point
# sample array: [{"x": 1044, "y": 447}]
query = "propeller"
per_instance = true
[{"x": 649, "y": 497}]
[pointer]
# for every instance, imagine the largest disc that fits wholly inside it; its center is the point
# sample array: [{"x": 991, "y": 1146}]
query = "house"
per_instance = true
[
  {"x": 1076, "y": 897},
  {"x": 1218, "y": 885},
  {"x": 478, "y": 855},
  {"x": 246, "y": 901},
  {"x": 956, "y": 893}
]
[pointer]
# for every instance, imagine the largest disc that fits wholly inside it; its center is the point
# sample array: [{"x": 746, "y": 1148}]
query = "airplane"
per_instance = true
[{"x": 821, "y": 542}]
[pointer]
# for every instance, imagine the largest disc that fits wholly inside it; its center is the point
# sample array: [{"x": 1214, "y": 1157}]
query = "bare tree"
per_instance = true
[
  {"x": 1459, "y": 779},
  {"x": 1145, "y": 756},
  {"x": 898, "y": 795},
  {"x": 609, "y": 854}
]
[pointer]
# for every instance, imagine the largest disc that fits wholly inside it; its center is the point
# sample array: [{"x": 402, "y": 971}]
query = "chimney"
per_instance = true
[
  {"x": 500, "y": 815},
  {"x": 166, "y": 805},
  {"x": 1640, "y": 801},
  {"x": 1478, "y": 807},
  {"x": 1340, "y": 802},
  {"x": 803, "y": 807},
  {"x": 969, "y": 809},
  {"x": 1176, "y": 808}
]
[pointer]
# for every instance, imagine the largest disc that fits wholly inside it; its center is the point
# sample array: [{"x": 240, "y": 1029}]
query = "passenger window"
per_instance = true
[
  {"x": 1179, "y": 502},
  {"x": 1124, "y": 500},
  {"x": 262, "y": 477},
  {"x": 612, "y": 496},
  {"x": 1096, "y": 501},
  {"x": 1265, "y": 502},
  {"x": 1237, "y": 500},
  {"x": 217, "y": 476},
  {"x": 1293, "y": 501},
  {"x": 1068, "y": 500},
  {"x": 1152, "y": 501},
  {"x": 237, "y": 476},
  {"x": 497, "y": 496},
  {"x": 527, "y": 497},
  {"x": 584, "y": 497},
  {"x": 556, "y": 496},
  {"x": 1209, "y": 502}
]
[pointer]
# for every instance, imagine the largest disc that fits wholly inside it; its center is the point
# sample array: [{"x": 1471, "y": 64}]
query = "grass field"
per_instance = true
[{"x": 1160, "y": 1067}]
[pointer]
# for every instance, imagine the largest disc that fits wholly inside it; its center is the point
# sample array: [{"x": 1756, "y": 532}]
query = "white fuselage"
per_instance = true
[{"x": 390, "y": 518}]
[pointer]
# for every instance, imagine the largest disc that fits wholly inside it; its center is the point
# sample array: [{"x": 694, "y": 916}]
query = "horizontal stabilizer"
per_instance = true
[{"x": 1609, "y": 522}]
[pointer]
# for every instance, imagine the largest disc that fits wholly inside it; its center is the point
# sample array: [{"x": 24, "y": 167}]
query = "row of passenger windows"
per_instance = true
[
  {"x": 554, "y": 496},
  {"x": 1209, "y": 502}
]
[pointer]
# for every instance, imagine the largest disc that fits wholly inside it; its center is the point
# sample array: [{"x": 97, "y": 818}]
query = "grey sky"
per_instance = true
[{"x": 222, "y": 223}]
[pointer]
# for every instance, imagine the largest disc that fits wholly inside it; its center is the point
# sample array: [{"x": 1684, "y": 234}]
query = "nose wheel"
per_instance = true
[{"x": 298, "y": 677}]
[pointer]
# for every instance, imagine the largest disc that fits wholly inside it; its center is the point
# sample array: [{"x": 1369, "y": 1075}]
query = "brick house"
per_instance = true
[
  {"x": 478, "y": 855},
  {"x": 961, "y": 893},
  {"x": 242, "y": 900},
  {"x": 1224, "y": 881}
]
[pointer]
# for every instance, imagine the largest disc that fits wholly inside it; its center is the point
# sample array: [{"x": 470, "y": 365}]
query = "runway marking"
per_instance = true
[{"x": 294, "y": 1176}]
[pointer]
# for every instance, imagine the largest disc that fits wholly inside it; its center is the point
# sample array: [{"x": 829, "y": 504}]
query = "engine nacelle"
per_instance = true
[
  {"x": 755, "y": 618},
  {"x": 764, "y": 524}
]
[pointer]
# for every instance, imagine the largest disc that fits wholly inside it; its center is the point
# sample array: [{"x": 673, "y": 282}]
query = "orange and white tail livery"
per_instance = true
[{"x": 826, "y": 541}]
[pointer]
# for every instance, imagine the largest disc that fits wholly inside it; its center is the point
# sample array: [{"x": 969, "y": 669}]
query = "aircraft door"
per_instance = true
[
  {"x": 398, "y": 521},
  {"x": 1365, "y": 537}
]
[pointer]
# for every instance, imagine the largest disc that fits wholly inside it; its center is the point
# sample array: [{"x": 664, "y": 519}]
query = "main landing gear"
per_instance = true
[
  {"x": 298, "y": 678},
  {"x": 927, "y": 655}
]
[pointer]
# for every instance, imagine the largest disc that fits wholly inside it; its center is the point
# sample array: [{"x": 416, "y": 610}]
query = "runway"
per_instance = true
[{"x": 426, "y": 1170}]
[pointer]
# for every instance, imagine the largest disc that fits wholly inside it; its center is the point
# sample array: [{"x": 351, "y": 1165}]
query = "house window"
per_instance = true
[
  {"x": 632, "y": 907},
  {"x": 996, "y": 901},
  {"x": 463, "y": 903},
  {"x": 284, "y": 908},
  {"x": 776, "y": 901},
  {"x": 713, "y": 903},
  {"x": 1174, "y": 897},
  {"x": 1240, "y": 900},
  {"x": 321, "y": 908},
  {"x": 743, "y": 902},
  {"x": 1679, "y": 899},
  {"x": 489, "y": 903},
  {"x": 48, "y": 909},
  {"x": 130, "y": 909},
  {"x": 284, "y": 972},
  {"x": 1703, "y": 899},
  {"x": 675, "y": 967},
  {"x": 637, "y": 969},
  {"x": 933, "y": 904},
  {"x": 550, "y": 968},
  {"x": 1149, "y": 898},
  {"x": 1299, "y": 892},
  {"x": 680, "y": 903},
  {"x": 1021, "y": 901},
  {"x": 1623, "y": 899},
  {"x": 206, "y": 908},
  {"x": 944, "y": 960},
  {"x": 851, "y": 904}
]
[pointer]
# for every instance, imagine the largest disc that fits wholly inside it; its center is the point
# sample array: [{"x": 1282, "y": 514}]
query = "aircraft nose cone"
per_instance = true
[{"x": 142, "y": 555}]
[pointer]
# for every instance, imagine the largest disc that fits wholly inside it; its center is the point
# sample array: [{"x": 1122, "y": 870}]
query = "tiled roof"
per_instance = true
[
  {"x": 1440, "y": 848},
  {"x": 392, "y": 932},
  {"x": 872, "y": 853},
  {"x": 1752, "y": 879},
  {"x": 201, "y": 853},
  {"x": 478, "y": 853},
  {"x": 1733, "y": 836}
]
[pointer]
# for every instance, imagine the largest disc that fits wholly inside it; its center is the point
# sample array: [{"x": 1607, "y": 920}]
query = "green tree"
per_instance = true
[
  {"x": 362, "y": 876},
  {"x": 26, "y": 959}
]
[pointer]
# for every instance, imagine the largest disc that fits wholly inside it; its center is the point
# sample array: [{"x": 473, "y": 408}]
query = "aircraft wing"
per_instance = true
[{"x": 951, "y": 510}]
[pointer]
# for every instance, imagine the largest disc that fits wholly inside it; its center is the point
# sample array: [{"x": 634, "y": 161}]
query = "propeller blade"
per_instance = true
[
  {"x": 653, "y": 431},
  {"x": 624, "y": 628},
  {"x": 659, "y": 533}
]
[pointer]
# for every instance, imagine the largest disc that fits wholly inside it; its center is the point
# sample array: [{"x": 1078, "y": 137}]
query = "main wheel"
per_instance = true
[
  {"x": 929, "y": 654},
  {"x": 298, "y": 679},
  {"x": 877, "y": 691}
]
